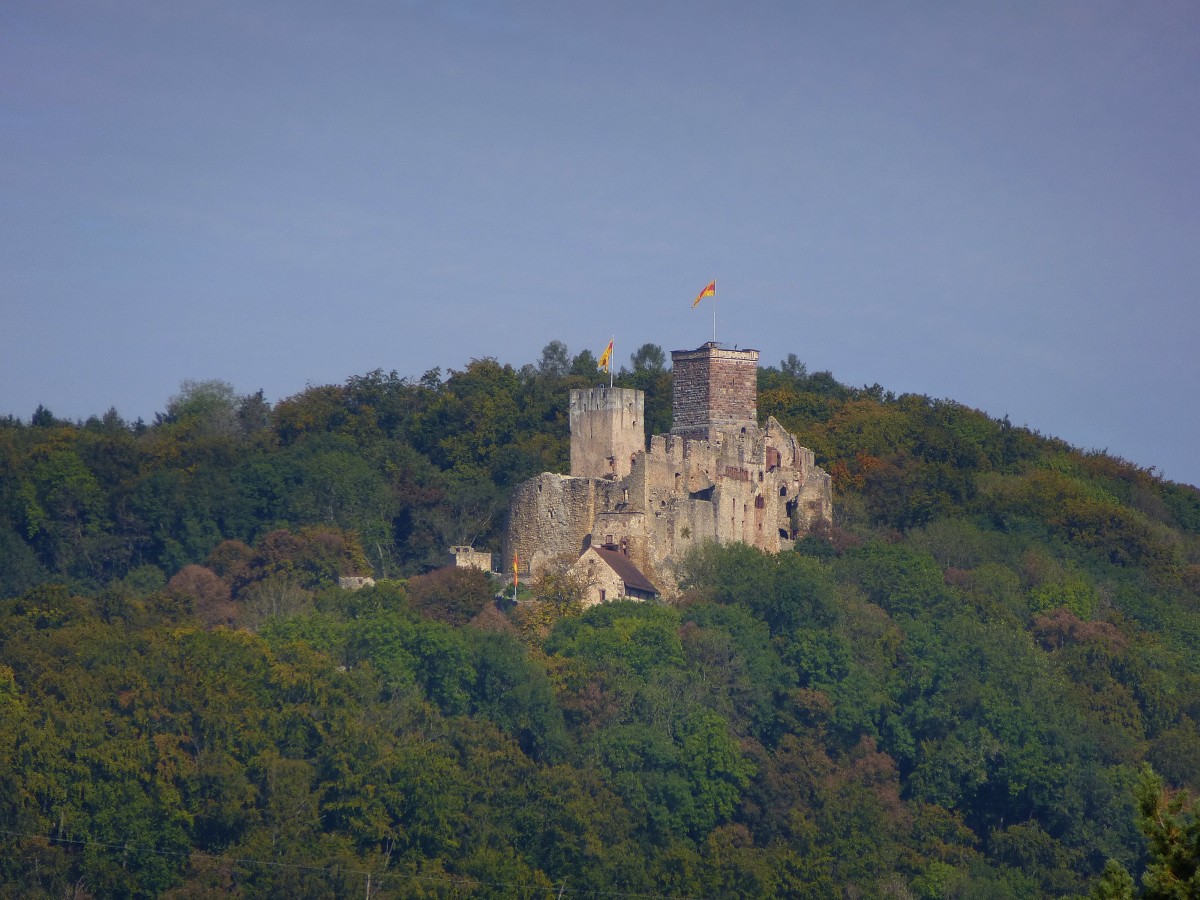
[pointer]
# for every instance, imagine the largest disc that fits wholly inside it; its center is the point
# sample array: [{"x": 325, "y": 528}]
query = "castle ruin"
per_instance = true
[{"x": 718, "y": 476}]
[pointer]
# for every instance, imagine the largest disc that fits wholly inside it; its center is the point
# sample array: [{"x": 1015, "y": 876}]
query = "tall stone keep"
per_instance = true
[
  {"x": 716, "y": 390},
  {"x": 719, "y": 477},
  {"x": 607, "y": 431}
]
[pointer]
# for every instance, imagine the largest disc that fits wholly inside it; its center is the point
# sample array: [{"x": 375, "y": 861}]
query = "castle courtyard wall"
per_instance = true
[
  {"x": 550, "y": 515},
  {"x": 716, "y": 477}
]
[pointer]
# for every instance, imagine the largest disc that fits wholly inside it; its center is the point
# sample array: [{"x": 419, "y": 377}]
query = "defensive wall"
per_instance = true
[
  {"x": 717, "y": 476},
  {"x": 607, "y": 430}
]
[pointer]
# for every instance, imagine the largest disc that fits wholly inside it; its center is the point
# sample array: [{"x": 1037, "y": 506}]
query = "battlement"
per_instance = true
[
  {"x": 716, "y": 389},
  {"x": 607, "y": 430},
  {"x": 716, "y": 477}
]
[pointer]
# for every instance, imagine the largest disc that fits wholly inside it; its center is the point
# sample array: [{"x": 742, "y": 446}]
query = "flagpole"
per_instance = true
[
  {"x": 714, "y": 317},
  {"x": 612, "y": 343}
]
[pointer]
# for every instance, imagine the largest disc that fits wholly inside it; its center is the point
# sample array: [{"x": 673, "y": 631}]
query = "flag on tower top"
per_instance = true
[
  {"x": 606, "y": 357},
  {"x": 710, "y": 290}
]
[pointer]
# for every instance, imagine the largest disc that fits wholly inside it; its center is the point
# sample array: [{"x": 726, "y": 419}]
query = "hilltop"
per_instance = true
[{"x": 982, "y": 680}]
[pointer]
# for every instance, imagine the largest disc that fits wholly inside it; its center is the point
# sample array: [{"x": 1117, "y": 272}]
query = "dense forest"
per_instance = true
[{"x": 983, "y": 680}]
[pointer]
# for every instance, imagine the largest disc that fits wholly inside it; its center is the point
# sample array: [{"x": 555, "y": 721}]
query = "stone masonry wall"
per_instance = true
[
  {"x": 607, "y": 429},
  {"x": 600, "y": 580},
  {"x": 759, "y": 487},
  {"x": 717, "y": 477},
  {"x": 715, "y": 390},
  {"x": 470, "y": 558},
  {"x": 550, "y": 515},
  {"x": 689, "y": 405}
]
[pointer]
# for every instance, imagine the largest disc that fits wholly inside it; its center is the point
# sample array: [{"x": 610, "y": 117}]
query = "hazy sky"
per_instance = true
[{"x": 994, "y": 203}]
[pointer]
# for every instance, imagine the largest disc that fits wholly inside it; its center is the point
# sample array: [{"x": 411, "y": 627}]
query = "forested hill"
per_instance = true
[{"x": 983, "y": 681}]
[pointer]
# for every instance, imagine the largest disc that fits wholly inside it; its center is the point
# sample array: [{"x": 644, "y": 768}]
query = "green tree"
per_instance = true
[
  {"x": 451, "y": 595},
  {"x": 1115, "y": 883},
  {"x": 205, "y": 408},
  {"x": 555, "y": 361},
  {"x": 1171, "y": 824},
  {"x": 339, "y": 489},
  {"x": 648, "y": 358},
  {"x": 716, "y": 768},
  {"x": 62, "y": 508}
]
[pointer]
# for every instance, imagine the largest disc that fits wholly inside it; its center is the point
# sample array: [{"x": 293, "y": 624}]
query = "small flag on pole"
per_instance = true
[
  {"x": 515, "y": 576},
  {"x": 710, "y": 290},
  {"x": 606, "y": 357}
]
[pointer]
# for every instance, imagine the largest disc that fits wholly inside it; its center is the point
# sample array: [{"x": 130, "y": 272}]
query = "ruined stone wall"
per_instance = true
[
  {"x": 674, "y": 467},
  {"x": 697, "y": 491},
  {"x": 672, "y": 531},
  {"x": 552, "y": 515},
  {"x": 470, "y": 558},
  {"x": 743, "y": 487},
  {"x": 716, "y": 477},
  {"x": 607, "y": 430},
  {"x": 816, "y": 501},
  {"x": 744, "y": 492},
  {"x": 714, "y": 390},
  {"x": 549, "y": 515}
]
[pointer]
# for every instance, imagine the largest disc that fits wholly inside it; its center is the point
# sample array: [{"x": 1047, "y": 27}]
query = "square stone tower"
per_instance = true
[
  {"x": 608, "y": 426},
  {"x": 715, "y": 390}
]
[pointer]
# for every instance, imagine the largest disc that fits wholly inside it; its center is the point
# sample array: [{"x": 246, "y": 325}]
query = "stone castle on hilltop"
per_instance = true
[{"x": 628, "y": 514}]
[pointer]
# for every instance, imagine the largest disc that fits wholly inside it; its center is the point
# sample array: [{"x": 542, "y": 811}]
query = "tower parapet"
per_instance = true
[
  {"x": 716, "y": 390},
  {"x": 717, "y": 476},
  {"x": 607, "y": 430}
]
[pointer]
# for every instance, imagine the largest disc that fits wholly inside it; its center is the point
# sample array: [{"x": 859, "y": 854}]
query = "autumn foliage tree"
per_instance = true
[
  {"x": 947, "y": 693},
  {"x": 450, "y": 594}
]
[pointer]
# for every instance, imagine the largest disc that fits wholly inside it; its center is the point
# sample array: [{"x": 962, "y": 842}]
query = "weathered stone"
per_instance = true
[
  {"x": 607, "y": 429},
  {"x": 607, "y": 574},
  {"x": 715, "y": 390},
  {"x": 717, "y": 477},
  {"x": 470, "y": 558}
]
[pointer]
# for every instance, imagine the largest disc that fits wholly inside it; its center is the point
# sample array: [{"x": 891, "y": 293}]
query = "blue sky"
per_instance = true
[{"x": 993, "y": 203}]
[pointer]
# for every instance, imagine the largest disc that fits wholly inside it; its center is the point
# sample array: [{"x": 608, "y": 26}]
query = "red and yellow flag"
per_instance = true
[
  {"x": 515, "y": 576},
  {"x": 606, "y": 357},
  {"x": 710, "y": 290}
]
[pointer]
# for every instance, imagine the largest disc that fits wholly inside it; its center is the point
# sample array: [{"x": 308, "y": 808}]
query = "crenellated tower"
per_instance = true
[
  {"x": 607, "y": 430},
  {"x": 718, "y": 476},
  {"x": 716, "y": 391}
]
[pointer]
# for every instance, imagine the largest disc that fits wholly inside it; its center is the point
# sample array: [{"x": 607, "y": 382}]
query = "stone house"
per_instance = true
[
  {"x": 610, "y": 575},
  {"x": 718, "y": 476}
]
